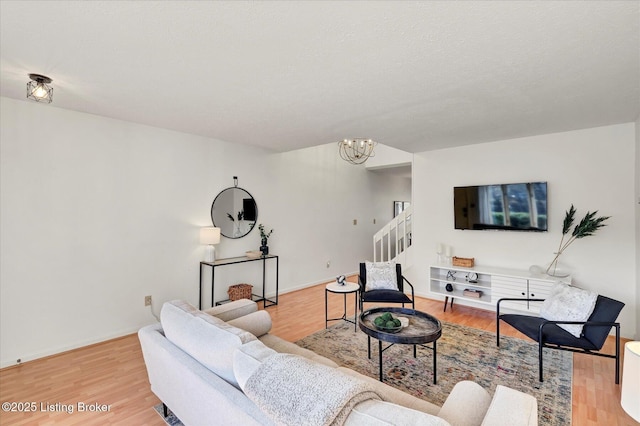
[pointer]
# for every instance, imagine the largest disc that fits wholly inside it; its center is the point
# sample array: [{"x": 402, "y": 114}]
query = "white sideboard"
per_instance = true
[{"x": 494, "y": 283}]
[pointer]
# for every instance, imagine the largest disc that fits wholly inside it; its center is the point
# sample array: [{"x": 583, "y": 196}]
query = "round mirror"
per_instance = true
[{"x": 235, "y": 212}]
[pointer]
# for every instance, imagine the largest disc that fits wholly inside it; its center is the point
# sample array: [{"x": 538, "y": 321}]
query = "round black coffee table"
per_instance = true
[{"x": 423, "y": 328}]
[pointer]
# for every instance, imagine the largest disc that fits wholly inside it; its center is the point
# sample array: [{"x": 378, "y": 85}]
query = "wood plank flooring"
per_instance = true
[{"x": 112, "y": 373}]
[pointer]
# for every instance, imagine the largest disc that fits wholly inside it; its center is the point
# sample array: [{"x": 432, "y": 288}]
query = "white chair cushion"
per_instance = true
[
  {"x": 381, "y": 276},
  {"x": 567, "y": 303},
  {"x": 207, "y": 339}
]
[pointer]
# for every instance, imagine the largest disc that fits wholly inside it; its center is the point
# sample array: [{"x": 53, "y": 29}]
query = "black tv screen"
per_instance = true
[{"x": 511, "y": 207}]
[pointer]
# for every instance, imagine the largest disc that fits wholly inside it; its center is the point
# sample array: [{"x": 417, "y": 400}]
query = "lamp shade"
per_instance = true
[
  {"x": 209, "y": 235},
  {"x": 630, "y": 399}
]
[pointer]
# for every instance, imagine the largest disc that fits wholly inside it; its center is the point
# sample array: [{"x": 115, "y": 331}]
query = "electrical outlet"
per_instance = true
[
  {"x": 355, "y": 221},
  {"x": 147, "y": 301},
  {"x": 328, "y": 263}
]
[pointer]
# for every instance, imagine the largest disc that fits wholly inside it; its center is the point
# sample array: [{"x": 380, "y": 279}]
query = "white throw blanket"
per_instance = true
[{"x": 293, "y": 390}]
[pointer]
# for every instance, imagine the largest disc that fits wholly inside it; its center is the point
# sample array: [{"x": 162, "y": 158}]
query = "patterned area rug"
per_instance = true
[
  {"x": 171, "y": 419},
  {"x": 463, "y": 353}
]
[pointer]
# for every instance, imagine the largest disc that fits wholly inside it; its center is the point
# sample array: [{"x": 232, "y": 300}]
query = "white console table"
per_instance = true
[{"x": 494, "y": 283}]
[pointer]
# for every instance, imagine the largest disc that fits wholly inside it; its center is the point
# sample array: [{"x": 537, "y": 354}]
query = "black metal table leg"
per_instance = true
[
  {"x": 277, "y": 276},
  {"x": 326, "y": 309},
  {"x": 200, "y": 292},
  {"x": 355, "y": 311},
  {"x": 213, "y": 274},
  {"x": 380, "y": 357},
  {"x": 264, "y": 279},
  {"x": 434, "y": 362}
]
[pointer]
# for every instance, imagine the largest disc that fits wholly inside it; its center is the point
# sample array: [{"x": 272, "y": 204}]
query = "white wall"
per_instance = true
[
  {"x": 96, "y": 213},
  {"x": 593, "y": 169},
  {"x": 637, "y": 200},
  {"x": 387, "y": 156}
]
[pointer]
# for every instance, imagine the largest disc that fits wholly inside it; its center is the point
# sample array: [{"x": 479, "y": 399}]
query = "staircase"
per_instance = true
[{"x": 391, "y": 243}]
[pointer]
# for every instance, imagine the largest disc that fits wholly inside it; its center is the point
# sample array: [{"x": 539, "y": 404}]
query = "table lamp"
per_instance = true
[
  {"x": 210, "y": 236},
  {"x": 630, "y": 398}
]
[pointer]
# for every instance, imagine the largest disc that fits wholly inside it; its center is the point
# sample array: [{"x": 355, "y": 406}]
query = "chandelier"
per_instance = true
[{"x": 356, "y": 151}]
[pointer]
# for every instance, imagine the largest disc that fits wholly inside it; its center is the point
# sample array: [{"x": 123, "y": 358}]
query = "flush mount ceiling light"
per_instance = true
[
  {"x": 38, "y": 89},
  {"x": 356, "y": 151}
]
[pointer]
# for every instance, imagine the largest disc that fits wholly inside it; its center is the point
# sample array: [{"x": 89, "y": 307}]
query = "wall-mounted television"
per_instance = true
[{"x": 510, "y": 206}]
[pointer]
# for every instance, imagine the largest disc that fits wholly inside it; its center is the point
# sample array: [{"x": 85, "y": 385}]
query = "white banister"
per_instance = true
[{"x": 394, "y": 239}]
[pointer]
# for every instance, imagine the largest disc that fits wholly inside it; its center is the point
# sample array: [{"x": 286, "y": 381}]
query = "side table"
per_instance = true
[
  {"x": 423, "y": 328},
  {"x": 344, "y": 289}
]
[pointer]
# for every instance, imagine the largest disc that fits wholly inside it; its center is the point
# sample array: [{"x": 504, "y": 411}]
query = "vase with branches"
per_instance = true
[
  {"x": 237, "y": 232},
  {"x": 264, "y": 237},
  {"x": 589, "y": 224}
]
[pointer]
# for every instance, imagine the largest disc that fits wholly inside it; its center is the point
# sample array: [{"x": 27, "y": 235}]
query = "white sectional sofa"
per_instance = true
[{"x": 200, "y": 363}]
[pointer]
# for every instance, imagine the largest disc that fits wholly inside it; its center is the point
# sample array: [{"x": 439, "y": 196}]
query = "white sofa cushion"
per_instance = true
[
  {"x": 247, "y": 358},
  {"x": 375, "y": 412},
  {"x": 282, "y": 346},
  {"x": 293, "y": 390},
  {"x": 207, "y": 339},
  {"x": 394, "y": 395},
  {"x": 567, "y": 303}
]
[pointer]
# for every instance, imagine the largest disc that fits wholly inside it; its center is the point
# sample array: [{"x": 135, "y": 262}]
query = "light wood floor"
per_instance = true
[{"x": 113, "y": 373}]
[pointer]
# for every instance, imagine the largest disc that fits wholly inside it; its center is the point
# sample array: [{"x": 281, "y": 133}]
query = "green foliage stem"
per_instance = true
[{"x": 586, "y": 227}]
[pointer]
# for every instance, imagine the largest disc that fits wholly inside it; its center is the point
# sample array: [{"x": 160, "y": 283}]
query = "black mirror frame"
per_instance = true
[{"x": 252, "y": 225}]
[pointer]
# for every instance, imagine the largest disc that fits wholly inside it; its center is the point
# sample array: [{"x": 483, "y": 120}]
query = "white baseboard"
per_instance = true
[
  {"x": 76, "y": 345},
  {"x": 65, "y": 348},
  {"x": 307, "y": 285}
]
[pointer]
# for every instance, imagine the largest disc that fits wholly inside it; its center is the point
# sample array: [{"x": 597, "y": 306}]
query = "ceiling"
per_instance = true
[{"x": 286, "y": 75}]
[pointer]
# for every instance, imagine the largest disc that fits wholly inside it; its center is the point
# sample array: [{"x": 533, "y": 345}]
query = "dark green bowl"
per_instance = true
[{"x": 389, "y": 330}]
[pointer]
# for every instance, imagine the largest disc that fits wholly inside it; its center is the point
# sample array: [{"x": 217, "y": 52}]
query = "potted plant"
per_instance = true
[
  {"x": 264, "y": 237},
  {"x": 587, "y": 226}
]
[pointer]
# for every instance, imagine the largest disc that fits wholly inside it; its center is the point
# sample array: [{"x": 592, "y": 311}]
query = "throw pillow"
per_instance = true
[
  {"x": 206, "y": 338},
  {"x": 257, "y": 323},
  {"x": 567, "y": 303},
  {"x": 381, "y": 276}
]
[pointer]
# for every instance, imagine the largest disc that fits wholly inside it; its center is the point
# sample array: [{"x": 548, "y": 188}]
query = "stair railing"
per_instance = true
[{"x": 390, "y": 244}]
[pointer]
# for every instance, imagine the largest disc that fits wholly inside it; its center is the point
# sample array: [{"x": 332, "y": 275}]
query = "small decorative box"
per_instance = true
[{"x": 466, "y": 262}]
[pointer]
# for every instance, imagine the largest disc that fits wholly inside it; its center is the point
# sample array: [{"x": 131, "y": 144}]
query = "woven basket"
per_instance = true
[
  {"x": 466, "y": 262},
  {"x": 240, "y": 291}
]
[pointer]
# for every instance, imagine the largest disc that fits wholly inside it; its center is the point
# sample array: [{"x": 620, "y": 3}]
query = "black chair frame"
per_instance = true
[
  {"x": 542, "y": 344},
  {"x": 401, "y": 281}
]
